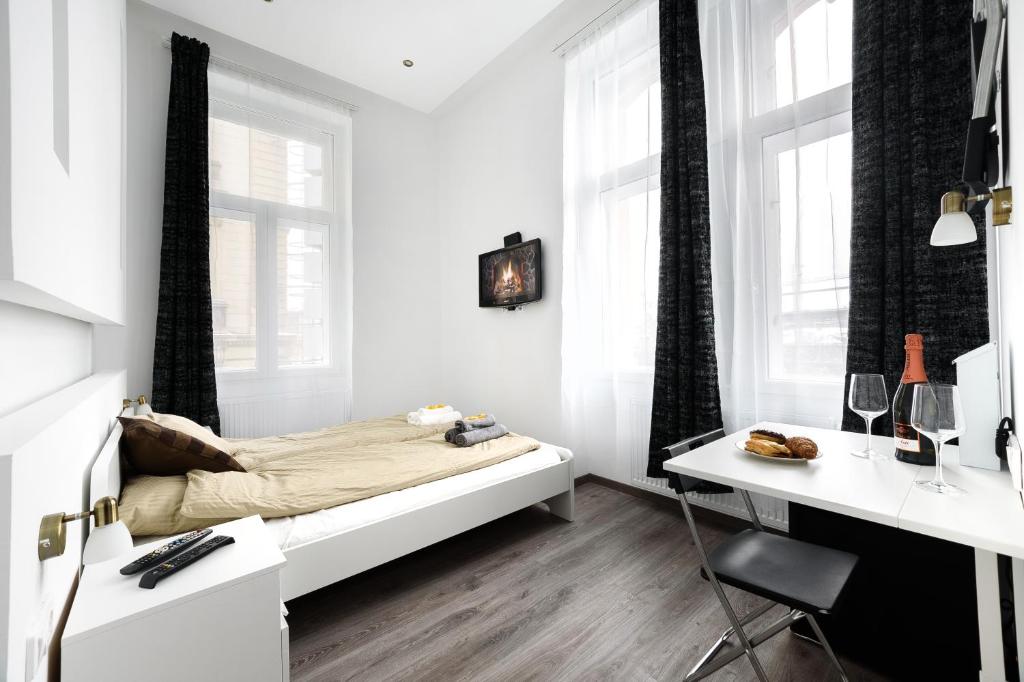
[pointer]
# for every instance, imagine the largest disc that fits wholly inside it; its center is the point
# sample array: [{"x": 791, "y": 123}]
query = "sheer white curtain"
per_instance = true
[
  {"x": 612, "y": 144},
  {"x": 777, "y": 83}
]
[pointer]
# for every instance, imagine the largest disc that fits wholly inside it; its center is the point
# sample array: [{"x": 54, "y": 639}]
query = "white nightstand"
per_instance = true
[{"x": 219, "y": 619}]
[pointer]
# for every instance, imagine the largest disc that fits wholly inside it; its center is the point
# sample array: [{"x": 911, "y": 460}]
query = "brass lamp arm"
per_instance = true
[
  {"x": 53, "y": 534},
  {"x": 1002, "y": 203}
]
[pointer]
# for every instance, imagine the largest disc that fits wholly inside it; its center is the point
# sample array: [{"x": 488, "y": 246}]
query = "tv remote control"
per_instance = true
[
  {"x": 175, "y": 564},
  {"x": 166, "y": 551}
]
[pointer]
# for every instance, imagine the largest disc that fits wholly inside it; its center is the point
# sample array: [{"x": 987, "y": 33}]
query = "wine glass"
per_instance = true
[
  {"x": 868, "y": 399},
  {"x": 938, "y": 415}
]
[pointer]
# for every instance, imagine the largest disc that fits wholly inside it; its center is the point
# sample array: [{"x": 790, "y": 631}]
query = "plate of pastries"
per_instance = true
[{"x": 778, "y": 447}]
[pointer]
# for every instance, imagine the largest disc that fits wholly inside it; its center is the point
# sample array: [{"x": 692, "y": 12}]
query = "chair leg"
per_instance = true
[
  {"x": 750, "y": 509},
  {"x": 711, "y": 653},
  {"x": 717, "y": 646},
  {"x": 756, "y": 640},
  {"x": 828, "y": 647},
  {"x": 720, "y": 593}
]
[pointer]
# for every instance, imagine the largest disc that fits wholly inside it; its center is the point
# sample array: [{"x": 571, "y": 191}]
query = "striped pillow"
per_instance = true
[
  {"x": 157, "y": 450},
  {"x": 151, "y": 505}
]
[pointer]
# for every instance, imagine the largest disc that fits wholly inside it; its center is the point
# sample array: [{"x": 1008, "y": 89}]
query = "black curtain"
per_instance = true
[
  {"x": 184, "y": 381},
  {"x": 686, "y": 400},
  {"x": 912, "y": 98}
]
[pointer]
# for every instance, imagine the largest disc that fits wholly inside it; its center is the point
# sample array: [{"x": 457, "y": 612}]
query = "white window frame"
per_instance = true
[{"x": 336, "y": 169}]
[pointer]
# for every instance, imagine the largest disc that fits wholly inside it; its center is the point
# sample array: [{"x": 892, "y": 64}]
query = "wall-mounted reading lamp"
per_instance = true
[
  {"x": 981, "y": 156},
  {"x": 108, "y": 539}
]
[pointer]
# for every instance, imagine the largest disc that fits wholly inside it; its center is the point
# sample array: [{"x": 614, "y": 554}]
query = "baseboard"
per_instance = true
[
  {"x": 660, "y": 500},
  {"x": 580, "y": 480},
  {"x": 667, "y": 503}
]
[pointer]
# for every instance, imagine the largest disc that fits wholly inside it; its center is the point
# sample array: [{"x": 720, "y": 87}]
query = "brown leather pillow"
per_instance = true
[{"x": 153, "y": 449}]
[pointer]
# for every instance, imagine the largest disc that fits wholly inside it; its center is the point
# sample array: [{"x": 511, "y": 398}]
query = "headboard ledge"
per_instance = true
[{"x": 105, "y": 476}]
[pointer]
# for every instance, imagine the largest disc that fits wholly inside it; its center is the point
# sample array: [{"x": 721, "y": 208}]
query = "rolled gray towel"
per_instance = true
[
  {"x": 470, "y": 424},
  {"x": 450, "y": 434},
  {"x": 476, "y": 436}
]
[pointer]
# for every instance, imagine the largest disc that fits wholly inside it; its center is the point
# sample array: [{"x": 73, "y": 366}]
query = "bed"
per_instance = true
[{"x": 328, "y": 545}]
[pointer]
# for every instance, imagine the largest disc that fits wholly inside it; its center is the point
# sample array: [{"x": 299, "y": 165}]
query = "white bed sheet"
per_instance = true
[{"x": 293, "y": 531}]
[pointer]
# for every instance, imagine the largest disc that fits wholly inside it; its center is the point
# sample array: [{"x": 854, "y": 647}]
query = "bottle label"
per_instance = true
[{"x": 907, "y": 437}]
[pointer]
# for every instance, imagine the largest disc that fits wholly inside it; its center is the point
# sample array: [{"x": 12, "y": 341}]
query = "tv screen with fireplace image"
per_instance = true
[{"x": 510, "y": 276}]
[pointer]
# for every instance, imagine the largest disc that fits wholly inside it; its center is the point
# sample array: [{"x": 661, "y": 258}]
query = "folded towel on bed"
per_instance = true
[
  {"x": 433, "y": 419},
  {"x": 475, "y": 422},
  {"x": 476, "y": 436},
  {"x": 434, "y": 409}
]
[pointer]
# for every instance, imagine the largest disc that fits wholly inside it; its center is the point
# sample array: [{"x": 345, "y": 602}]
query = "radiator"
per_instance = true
[
  {"x": 280, "y": 414},
  {"x": 773, "y": 512}
]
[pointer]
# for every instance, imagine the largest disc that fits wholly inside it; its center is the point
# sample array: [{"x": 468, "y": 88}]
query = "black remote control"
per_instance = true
[
  {"x": 175, "y": 564},
  {"x": 161, "y": 553}
]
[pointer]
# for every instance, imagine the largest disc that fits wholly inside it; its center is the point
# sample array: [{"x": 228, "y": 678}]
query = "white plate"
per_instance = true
[{"x": 741, "y": 443}]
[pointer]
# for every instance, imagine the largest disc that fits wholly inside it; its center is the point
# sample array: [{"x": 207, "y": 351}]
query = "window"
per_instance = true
[
  {"x": 277, "y": 212},
  {"x": 801, "y": 120},
  {"x": 807, "y": 239},
  {"x": 616, "y": 87},
  {"x": 779, "y": 98},
  {"x": 610, "y": 247}
]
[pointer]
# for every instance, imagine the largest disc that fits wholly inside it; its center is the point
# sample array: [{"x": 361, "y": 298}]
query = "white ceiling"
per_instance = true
[{"x": 364, "y": 41}]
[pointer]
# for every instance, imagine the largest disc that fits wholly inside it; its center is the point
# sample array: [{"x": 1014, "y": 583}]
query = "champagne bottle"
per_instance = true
[{"x": 910, "y": 446}]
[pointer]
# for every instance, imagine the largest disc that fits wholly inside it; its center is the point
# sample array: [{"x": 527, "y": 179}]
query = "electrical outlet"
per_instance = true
[{"x": 37, "y": 642}]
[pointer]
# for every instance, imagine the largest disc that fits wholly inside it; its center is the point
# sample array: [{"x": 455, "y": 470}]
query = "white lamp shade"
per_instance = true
[
  {"x": 954, "y": 228},
  {"x": 107, "y": 542}
]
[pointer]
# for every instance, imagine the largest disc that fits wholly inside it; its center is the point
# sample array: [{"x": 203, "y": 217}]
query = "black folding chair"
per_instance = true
[{"x": 808, "y": 579}]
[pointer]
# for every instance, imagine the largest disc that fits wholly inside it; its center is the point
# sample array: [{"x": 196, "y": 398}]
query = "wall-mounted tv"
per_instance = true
[{"x": 511, "y": 276}]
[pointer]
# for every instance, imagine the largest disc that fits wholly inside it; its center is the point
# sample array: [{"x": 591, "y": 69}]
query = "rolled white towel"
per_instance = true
[
  {"x": 433, "y": 419},
  {"x": 425, "y": 411}
]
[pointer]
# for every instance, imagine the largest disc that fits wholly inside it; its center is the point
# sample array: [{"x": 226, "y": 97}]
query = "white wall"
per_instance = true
[
  {"x": 60, "y": 252},
  {"x": 1011, "y": 239},
  {"x": 40, "y": 353},
  {"x": 396, "y": 328},
  {"x": 500, "y": 171},
  {"x": 61, "y": 112},
  {"x": 46, "y": 454}
]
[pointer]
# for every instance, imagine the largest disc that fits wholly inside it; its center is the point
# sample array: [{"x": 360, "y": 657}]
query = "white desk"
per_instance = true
[
  {"x": 872, "y": 490},
  {"x": 989, "y": 518}
]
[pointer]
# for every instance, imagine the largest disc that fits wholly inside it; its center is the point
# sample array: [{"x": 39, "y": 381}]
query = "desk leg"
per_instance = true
[
  {"x": 1018, "y": 611},
  {"x": 990, "y": 624}
]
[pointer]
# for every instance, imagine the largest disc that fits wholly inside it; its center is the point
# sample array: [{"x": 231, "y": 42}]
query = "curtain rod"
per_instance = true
[
  {"x": 571, "y": 41},
  {"x": 227, "y": 63}
]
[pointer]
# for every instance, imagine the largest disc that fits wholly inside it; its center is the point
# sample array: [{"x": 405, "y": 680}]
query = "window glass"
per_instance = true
[
  {"x": 633, "y": 213},
  {"x": 233, "y": 289},
  {"x": 808, "y": 293},
  {"x": 628, "y": 92},
  {"x": 301, "y": 260},
  {"x": 815, "y": 35},
  {"x": 250, "y": 162}
]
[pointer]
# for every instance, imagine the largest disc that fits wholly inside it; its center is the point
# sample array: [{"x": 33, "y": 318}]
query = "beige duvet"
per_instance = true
[{"x": 306, "y": 472}]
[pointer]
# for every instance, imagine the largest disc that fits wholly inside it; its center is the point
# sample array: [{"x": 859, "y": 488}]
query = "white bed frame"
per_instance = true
[{"x": 327, "y": 560}]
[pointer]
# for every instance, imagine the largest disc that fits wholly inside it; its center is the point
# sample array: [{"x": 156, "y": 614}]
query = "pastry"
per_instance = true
[
  {"x": 802, "y": 447},
  {"x": 764, "y": 434},
  {"x": 766, "y": 448}
]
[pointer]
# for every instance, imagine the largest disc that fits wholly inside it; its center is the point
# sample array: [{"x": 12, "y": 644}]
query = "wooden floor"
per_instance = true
[{"x": 616, "y": 595}]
